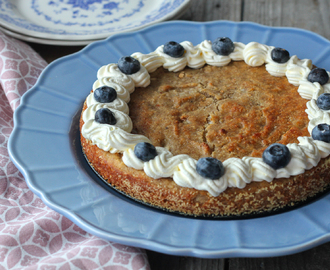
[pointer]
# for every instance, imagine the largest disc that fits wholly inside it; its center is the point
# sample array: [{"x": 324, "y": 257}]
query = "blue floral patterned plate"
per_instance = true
[
  {"x": 45, "y": 147},
  {"x": 84, "y": 19}
]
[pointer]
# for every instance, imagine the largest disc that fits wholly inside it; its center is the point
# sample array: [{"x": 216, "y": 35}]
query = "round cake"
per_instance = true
[{"x": 217, "y": 129}]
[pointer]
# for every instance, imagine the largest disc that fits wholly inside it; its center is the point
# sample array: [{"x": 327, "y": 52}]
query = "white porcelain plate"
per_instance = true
[
  {"x": 45, "y": 146},
  {"x": 72, "y": 20}
]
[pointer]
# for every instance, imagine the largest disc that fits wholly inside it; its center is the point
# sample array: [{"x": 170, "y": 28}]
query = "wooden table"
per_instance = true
[{"x": 307, "y": 14}]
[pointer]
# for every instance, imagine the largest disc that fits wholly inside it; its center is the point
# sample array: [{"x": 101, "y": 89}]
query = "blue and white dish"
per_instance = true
[
  {"x": 45, "y": 146},
  {"x": 45, "y": 40},
  {"x": 84, "y": 19}
]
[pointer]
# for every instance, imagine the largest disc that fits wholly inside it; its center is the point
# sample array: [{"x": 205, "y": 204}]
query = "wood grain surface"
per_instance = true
[{"x": 311, "y": 15}]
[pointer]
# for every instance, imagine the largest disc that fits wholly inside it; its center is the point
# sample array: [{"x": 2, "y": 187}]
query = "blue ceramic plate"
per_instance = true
[
  {"x": 45, "y": 147},
  {"x": 77, "y": 20}
]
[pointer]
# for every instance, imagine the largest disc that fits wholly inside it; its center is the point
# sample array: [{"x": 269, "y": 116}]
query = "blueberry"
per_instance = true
[
  {"x": 319, "y": 75},
  {"x": 223, "y": 46},
  {"x": 277, "y": 156},
  {"x": 210, "y": 168},
  {"x": 145, "y": 151},
  {"x": 321, "y": 132},
  {"x": 128, "y": 65},
  {"x": 323, "y": 101},
  {"x": 105, "y": 94},
  {"x": 105, "y": 116},
  {"x": 173, "y": 49},
  {"x": 280, "y": 55}
]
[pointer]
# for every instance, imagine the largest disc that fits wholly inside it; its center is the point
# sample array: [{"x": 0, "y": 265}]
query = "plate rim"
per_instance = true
[
  {"x": 147, "y": 243},
  {"x": 46, "y": 41},
  {"x": 92, "y": 37}
]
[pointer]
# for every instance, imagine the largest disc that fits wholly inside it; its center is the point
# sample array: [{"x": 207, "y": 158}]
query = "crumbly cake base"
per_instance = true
[{"x": 164, "y": 193}]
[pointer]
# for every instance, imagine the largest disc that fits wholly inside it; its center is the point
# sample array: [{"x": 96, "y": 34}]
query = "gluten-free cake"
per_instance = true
[{"x": 220, "y": 128}]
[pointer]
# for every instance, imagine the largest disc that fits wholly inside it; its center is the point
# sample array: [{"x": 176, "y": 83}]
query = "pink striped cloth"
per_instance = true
[{"x": 32, "y": 236}]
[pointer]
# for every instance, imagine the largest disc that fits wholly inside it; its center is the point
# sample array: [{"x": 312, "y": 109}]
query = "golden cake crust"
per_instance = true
[{"x": 279, "y": 121}]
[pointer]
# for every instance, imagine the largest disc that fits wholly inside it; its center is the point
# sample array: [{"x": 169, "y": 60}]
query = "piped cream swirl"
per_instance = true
[
  {"x": 211, "y": 57},
  {"x": 255, "y": 54},
  {"x": 171, "y": 63}
]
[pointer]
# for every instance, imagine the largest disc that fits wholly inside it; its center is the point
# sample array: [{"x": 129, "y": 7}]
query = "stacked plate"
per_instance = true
[{"x": 80, "y": 22}]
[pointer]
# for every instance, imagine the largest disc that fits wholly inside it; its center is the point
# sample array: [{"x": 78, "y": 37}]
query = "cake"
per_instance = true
[{"x": 216, "y": 129}]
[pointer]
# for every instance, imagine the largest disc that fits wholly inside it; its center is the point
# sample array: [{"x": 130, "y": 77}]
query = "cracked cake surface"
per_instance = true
[{"x": 223, "y": 112}]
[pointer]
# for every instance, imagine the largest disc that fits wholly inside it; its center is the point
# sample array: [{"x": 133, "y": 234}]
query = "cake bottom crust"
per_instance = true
[{"x": 256, "y": 197}]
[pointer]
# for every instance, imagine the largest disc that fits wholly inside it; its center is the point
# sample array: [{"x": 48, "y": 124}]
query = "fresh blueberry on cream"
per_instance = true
[
  {"x": 145, "y": 151},
  {"x": 277, "y": 156},
  {"x": 223, "y": 46},
  {"x": 105, "y": 94},
  {"x": 323, "y": 101},
  {"x": 280, "y": 55},
  {"x": 319, "y": 75},
  {"x": 128, "y": 65},
  {"x": 105, "y": 116},
  {"x": 210, "y": 168},
  {"x": 321, "y": 132},
  {"x": 173, "y": 49}
]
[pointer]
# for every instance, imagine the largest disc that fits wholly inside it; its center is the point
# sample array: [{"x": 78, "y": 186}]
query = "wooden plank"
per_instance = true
[
  {"x": 316, "y": 258},
  {"x": 160, "y": 261},
  {"x": 52, "y": 52},
  {"x": 211, "y": 10},
  {"x": 306, "y": 14}
]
